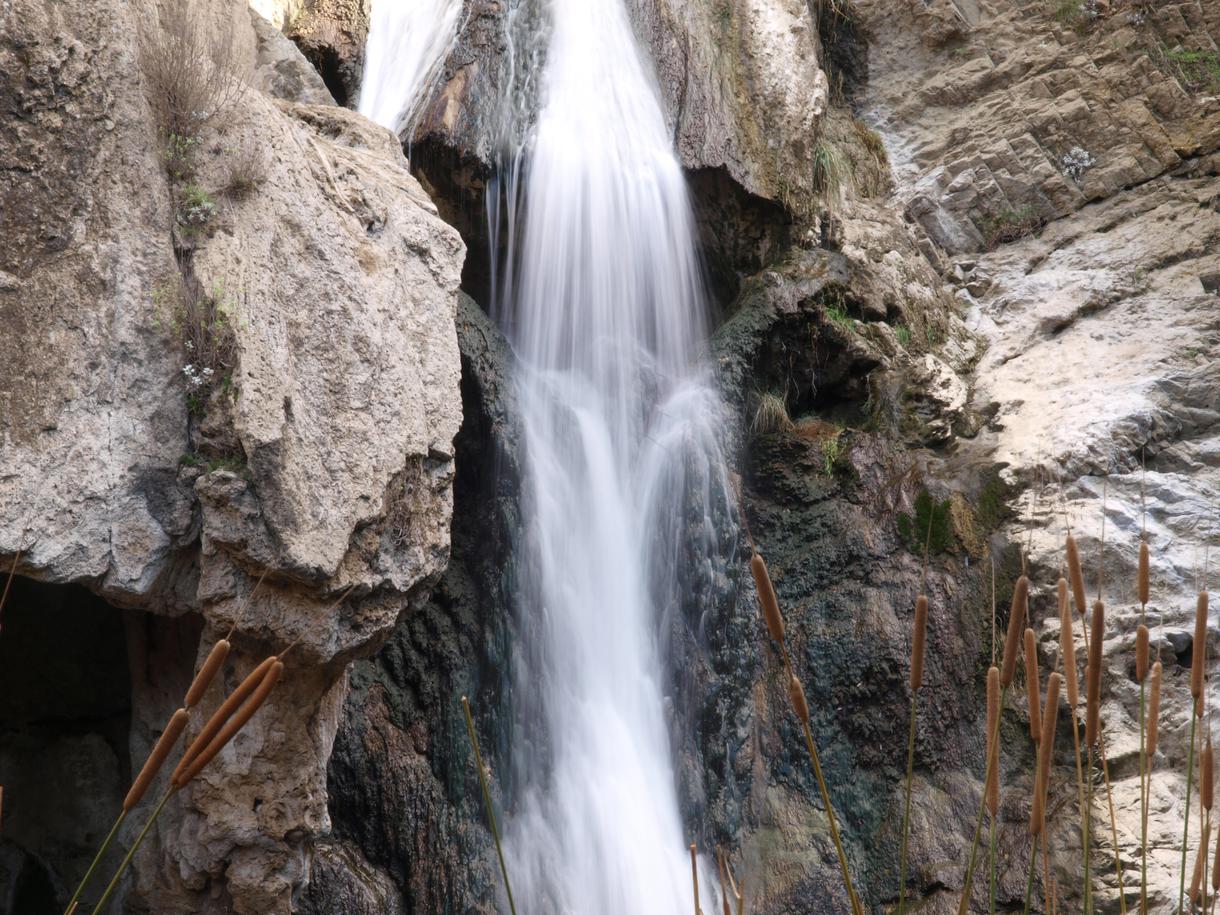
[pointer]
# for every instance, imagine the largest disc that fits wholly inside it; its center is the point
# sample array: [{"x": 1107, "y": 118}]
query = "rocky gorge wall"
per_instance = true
[
  {"x": 931, "y": 311},
  {"x": 321, "y": 463}
]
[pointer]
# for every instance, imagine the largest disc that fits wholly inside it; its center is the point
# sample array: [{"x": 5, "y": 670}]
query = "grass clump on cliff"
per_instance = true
[
  {"x": 1008, "y": 224},
  {"x": 1198, "y": 70},
  {"x": 770, "y": 414},
  {"x": 931, "y": 520},
  {"x": 190, "y": 72},
  {"x": 831, "y": 173},
  {"x": 203, "y": 324}
]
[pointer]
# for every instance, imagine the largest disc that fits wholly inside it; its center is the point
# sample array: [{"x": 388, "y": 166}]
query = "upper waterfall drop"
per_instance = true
[
  {"x": 622, "y": 462},
  {"x": 406, "y": 47}
]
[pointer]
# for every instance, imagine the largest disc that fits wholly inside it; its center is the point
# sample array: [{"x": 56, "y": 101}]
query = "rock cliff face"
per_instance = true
[
  {"x": 322, "y": 462},
  {"x": 1064, "y": 159},
  {"x": 964, "y": 262}
]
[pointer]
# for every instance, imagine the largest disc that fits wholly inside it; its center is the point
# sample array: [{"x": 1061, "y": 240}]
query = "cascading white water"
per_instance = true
[
  {"x": 619, "y": 429},
  {"x": 623, "y": 471},
  {"x": 407, "y": 43}
]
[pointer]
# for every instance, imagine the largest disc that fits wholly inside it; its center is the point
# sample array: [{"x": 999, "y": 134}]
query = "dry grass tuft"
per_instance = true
[{"x": 191, "y": 75}]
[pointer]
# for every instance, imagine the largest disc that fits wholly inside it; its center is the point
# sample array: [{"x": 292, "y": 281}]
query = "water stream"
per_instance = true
[{"x": 603, "y": 300}]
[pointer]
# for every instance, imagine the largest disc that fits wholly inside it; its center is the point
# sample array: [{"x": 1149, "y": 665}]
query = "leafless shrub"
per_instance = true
[
  {"x": 190, "y": 73},
  {"x": 247, "y": 170}
]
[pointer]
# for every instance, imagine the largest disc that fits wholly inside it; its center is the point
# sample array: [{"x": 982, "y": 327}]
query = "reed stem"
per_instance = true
[
  {"x": 1190, "y": 775},
  {"x": 906, "y": 813},
  {"x": 1143, "y": 810},
  {"x": 1029, "y": 880},
  {"x": 991, "y": 860},
  {"x": 993, "y": 760},
  {"x": 830, "y": 816},
  {"x": 491, "y": 814},
  {"x": 131, "y": 852},
  {"x": 97, "y": 859},
  {"x": 1088, "y": 881}
]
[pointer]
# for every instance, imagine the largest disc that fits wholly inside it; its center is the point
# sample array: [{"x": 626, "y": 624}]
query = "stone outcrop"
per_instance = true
[
  {"x": 324, "y": 463},
  {"x": 1096, "y": 308}
]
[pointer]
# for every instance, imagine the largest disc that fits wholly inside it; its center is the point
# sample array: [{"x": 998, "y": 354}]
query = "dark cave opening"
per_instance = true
[
  {"x": 737, "y": 232},
  {"x": 65, "y": 716}
]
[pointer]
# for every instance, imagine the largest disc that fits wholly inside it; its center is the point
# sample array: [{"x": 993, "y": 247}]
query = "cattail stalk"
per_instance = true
[
  {"x": 1076, "y": 574},
  {"x": 224, "y": 713},
  {"x": 1067, "y": 651},
  {"x": 211, "y": 665},
  {"x": 1198, "y": 877},
  {"x": 1198, "y": 662},
  {"x": 114, "y": 881},
  {"x": 992, "y": 766},
  {"x": 918, "y": 640},
  {"x": 1042, "y": 777},
  {"x": 156, "y": 759},
  {"x": 1092, "y": 727},
  {"x": 694, "y": 875},
  {"x": 1141, "y": 673},
  {"x": 1032, "y": 686},
  {"x": 1016, "y": 627},
  {"x": 775, "y": 626},
  {"x": 201, "y": 757},
  {"x": 97, "y": 859},
  {"x": 491, "y": 814}
]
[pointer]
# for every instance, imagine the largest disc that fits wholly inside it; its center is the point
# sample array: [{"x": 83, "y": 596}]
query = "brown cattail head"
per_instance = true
[
  {"x": 1207, "y": 775},
  {"x": 1076, "y": 574},
  {"x": 1196, "y": 880},
  {"x": 1142, "y": 580},
  {"x": 232, "y": 726},
  {"x": 1141, "y": 653},
  {"x": 1016, "y": 625},
  {"x": 918, "y": 638},
  {"x": 1216, "y": 869},
  {"x": 993, "y": 740},
  {"x": 766, "y": 598},
  {"x": 1154, "y": 707},
  {"x": 1046, "y": 746},
  {"x": 1198, "y": 659},
  {"x": 207, "y": 673},
  {"x": 223, "y": 714},
  {"x": 1092, "y": 724},
  {"x": 1067, "y": 646},
  {"x": 1032, "y": 686},
  {"x": 796, "y": 693},
  {"x": 156, "y": 759}
]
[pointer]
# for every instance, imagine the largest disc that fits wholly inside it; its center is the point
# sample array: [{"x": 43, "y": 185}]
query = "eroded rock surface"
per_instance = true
[{"x": 325, "y": 463}]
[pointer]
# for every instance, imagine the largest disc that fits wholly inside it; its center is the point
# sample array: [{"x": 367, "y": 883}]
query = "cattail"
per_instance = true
[
  {"x": 766, "y": 598},
  {"x": 232, "y": 726},
  {"x": 1198, "y": 658},
  {"x": 917, "y": 642},
  {"x": 796, "y": 693},
  {"x": 1092, "y": 725},
  {"x": 156, "y": 759},
  {"x": 203, "y": 679},
  {"x": 247, "y": 686},
  {"x": 1032, "y": 687},
  {"x": 1067, "y": 646},
  {"x": 1154, "y": 707},
  {"x": 1046, "y": 746},
  {"x": 1143, "y": 573},
  {"x": 1141, "y": 652},
  {"x": 1196, "y": 879},
  {"x": 1216, "y": 870},
  {"x": 1207, "y": 776},
  {"x": 993, "y": 740},
  {"x": 1016, "y": 624},
  {"x": 1076, "y": 573}
]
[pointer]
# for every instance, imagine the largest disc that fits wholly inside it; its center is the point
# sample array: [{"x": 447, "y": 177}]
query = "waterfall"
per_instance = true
[
  {"x": 607, "y": 316},
  {"x": 407, "y": 44},
  {"x": 602, "y": 297}
]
